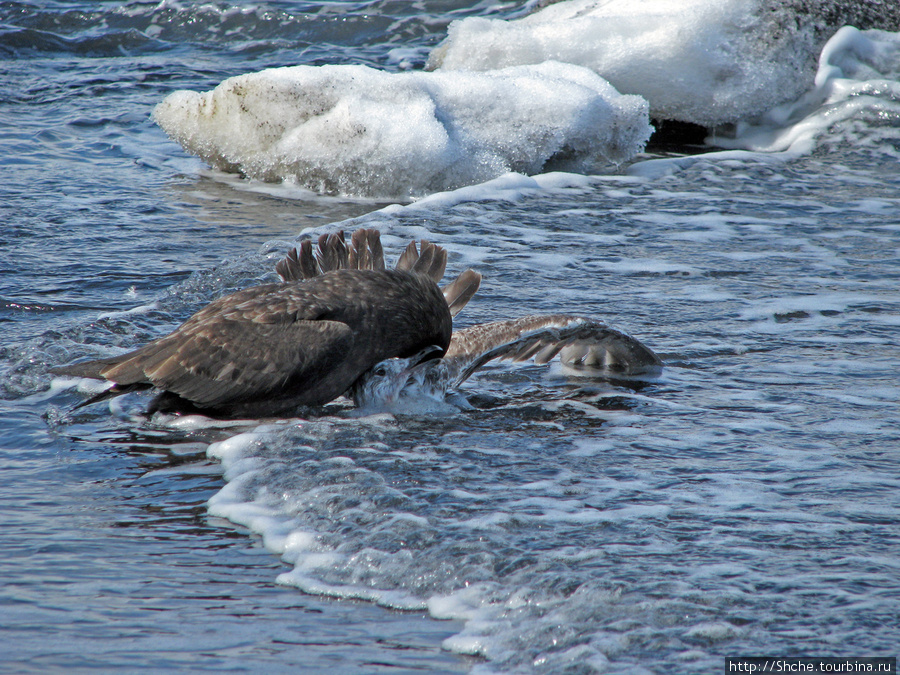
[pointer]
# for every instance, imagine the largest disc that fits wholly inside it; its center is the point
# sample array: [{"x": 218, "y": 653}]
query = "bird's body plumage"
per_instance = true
[{"x": 271, "y": 348}]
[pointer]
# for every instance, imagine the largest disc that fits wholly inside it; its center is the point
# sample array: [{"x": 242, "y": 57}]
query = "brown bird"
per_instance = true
[{"x": 272, "y": 348}]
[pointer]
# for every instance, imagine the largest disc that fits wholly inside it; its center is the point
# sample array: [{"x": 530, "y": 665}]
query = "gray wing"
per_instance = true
[{"x": 579, "y": 341}]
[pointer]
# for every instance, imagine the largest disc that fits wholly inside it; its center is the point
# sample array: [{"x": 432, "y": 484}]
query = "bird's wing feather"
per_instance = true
[
  {"x": 245, "y": 344},
  {"x": 581, "y": 342},
  {"x": 225, "y": 361}
]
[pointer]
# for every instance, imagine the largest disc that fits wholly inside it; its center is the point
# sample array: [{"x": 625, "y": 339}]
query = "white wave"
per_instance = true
[
  {"x": 805, "y": 305},
  {"x": 703, "y": 61},
  {"x": 858, "y": 77},
  {"x": 578, "y": 532},
  {"x": 331, "y": 513},
  {"x": 356, "y": 131},
  {"x": 508, "y": 187},
  {"x": 134, "y": 311},
  {"x": 65, "y": 383},
  {"x": 854, "y": 101}
]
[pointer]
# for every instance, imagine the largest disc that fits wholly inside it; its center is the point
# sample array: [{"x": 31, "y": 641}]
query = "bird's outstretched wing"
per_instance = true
[
  {"x": 365, "y": 252},
  {"x": 579, "y": 341}
]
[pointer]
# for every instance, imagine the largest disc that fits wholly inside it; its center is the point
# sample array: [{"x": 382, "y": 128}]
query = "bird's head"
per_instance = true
[{"x": 382, "y": 384}]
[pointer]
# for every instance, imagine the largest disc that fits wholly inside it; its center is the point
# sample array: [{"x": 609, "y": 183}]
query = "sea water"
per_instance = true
[{"x": 743, "y": 502}]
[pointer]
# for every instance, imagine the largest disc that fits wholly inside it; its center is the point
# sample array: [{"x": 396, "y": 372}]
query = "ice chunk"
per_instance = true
[
  {"x": 356, "y": 131},
  {"x": 702, "y": 61}
]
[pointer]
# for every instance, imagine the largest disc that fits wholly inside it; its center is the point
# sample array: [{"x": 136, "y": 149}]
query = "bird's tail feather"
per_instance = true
[
  {"x": 332, "y": 253},
  {"x": 431, "y": 260},
  {"x": 459, "y": 291},
  {"x": 366, "y": 253}
]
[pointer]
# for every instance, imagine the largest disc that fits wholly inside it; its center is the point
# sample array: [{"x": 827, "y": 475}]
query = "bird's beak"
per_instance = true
[
  {"x": 415, "y": 361},
  {"x": 430, "y": 352}
]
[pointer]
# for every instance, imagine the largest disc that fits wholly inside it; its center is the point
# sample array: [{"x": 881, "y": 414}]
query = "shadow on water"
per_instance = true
[{"x": 230, "y": 206}]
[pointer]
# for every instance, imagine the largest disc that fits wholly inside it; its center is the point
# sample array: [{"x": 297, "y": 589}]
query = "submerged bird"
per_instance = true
[
  {"x": 272, "y": 348},
  {"x": 581, "y": 343}
]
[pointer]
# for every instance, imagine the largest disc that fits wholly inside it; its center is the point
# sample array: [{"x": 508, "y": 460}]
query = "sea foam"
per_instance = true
[
  {"x": 852, "y": 102},
  {"x": 357, "y": 131},
  {"x": 857, "y": 79}
]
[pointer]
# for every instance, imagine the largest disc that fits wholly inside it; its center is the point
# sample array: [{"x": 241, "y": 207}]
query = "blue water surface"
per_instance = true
[{"x": 745, "y": 502}]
